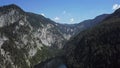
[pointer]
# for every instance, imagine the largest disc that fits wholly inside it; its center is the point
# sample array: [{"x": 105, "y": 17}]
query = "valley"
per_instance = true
[{"x": 29, "y": 40}]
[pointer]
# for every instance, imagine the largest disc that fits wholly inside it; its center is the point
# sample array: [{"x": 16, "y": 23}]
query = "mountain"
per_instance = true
[
  {"x": 27, "y": 38},
  {"x": 91, "y": 22},
  {"x": 97, "y": 47}
]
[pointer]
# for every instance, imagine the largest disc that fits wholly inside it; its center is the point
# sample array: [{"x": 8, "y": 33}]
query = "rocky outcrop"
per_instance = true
[{"x": 23, "y": 36}]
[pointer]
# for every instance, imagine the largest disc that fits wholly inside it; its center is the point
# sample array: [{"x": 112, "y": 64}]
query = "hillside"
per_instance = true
[{"x": 97, "y": 47}]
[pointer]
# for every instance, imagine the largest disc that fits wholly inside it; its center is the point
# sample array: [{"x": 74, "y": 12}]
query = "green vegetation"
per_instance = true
[
  {"x": 97, "y": 47},
  {"x": 44, "y": 54},
  {"x": 18, "y": 55}
]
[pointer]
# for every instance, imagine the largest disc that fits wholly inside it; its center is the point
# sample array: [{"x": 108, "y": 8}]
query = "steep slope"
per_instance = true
[
  {"x": 26, "y": 38},
  {"x": 97, "y": 47},
  {"x": 45, "y": 30},
  {"x": 15, "y": 32}
]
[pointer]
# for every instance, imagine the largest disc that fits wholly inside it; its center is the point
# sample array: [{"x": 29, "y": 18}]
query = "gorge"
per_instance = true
[{"x": 29, "y": 40}]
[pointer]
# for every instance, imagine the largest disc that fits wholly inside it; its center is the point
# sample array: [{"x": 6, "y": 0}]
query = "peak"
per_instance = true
[
  {"x": 10, "y": 7},
  {"x": 117, "y": 11}
]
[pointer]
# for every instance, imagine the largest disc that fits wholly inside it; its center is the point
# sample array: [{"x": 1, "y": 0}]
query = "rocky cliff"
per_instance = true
[{"x": 26, "y": 36}]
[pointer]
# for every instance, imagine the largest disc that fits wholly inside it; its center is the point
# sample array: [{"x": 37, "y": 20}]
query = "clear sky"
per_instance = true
[{"x": 66, "y": 11}]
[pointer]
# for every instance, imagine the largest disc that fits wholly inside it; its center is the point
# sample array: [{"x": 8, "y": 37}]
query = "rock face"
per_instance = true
[
  {"x": 45, "y": 30},
  {"x": 23, "y": 36},
  {"x": 97, "y": 47}
]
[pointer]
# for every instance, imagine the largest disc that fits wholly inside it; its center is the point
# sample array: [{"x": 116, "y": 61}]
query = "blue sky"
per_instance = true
[{"x": 66, "y": 11}]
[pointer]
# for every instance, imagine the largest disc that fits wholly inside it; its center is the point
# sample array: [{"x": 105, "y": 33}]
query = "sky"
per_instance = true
[{"x": 66, "y": 11}]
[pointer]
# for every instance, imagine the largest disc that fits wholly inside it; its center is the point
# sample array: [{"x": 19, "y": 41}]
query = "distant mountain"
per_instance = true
[
  {"x": 69, "y": 30},
  {"x": 92, "y": 22},
  {"x": 97, "y": 47}
]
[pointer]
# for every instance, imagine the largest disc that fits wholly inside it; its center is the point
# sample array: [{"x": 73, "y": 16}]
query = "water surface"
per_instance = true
[{"x": 62, "y": 66}]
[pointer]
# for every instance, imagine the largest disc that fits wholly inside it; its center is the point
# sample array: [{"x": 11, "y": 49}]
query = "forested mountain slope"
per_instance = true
[{"x": 98, "y": 47}]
